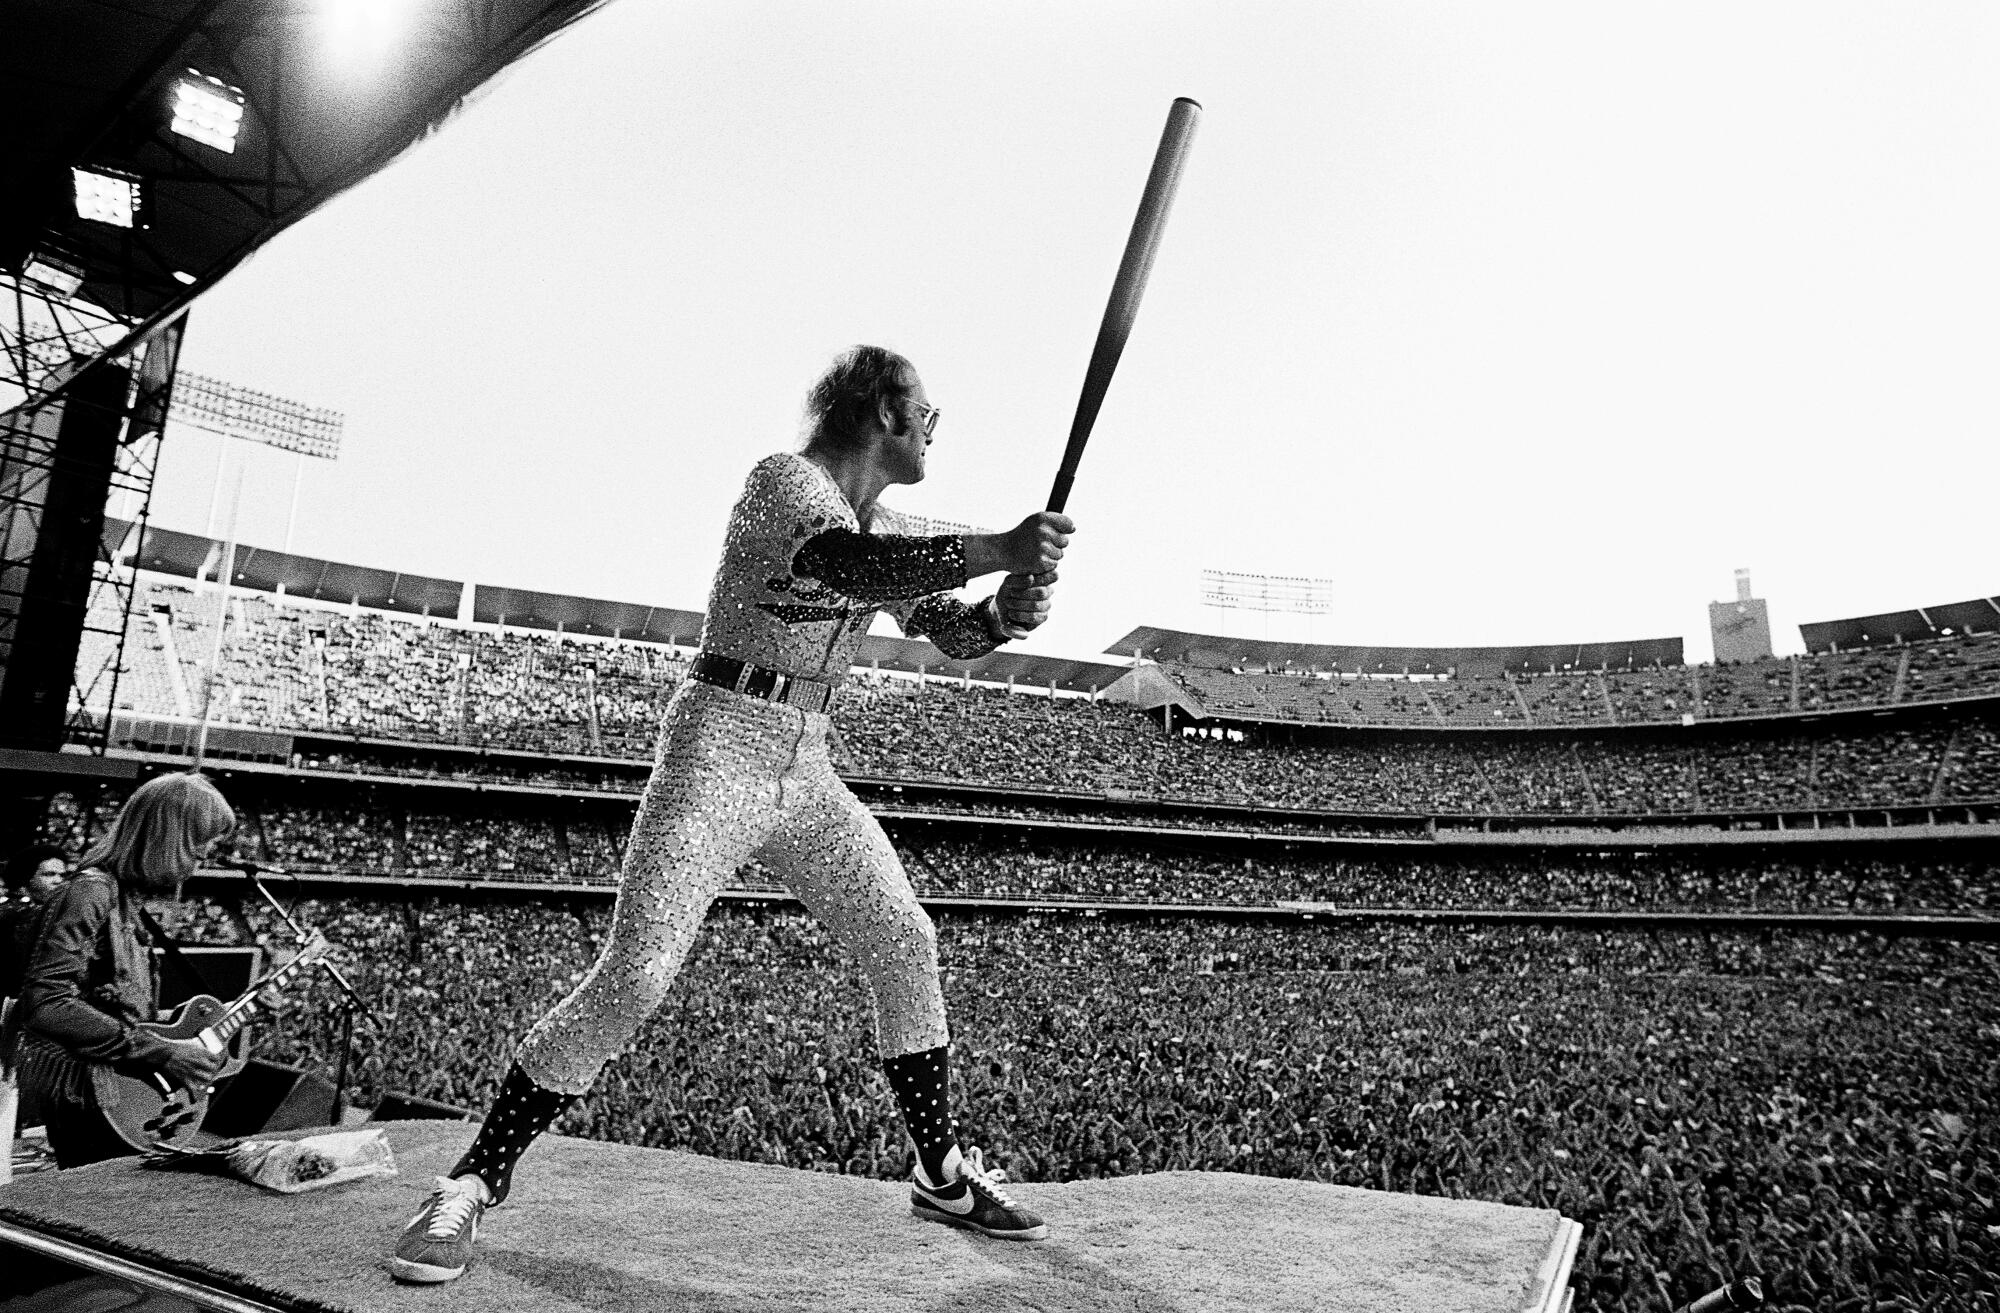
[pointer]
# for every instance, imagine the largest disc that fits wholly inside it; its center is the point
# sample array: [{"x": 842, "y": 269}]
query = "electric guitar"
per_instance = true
[{"x": 150, "y": 1110}]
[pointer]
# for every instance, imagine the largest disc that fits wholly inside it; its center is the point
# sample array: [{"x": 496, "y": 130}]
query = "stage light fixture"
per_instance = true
[
  {"x": 359, "y": 34},
  {"x": 207, "y": 110},
  {"x": 55, "y": 272},
  {"x": 106, "y": 197}
]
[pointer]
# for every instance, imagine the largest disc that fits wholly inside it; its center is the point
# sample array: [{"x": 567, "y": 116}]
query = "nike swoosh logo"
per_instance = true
[{"x": 961, "y": 1205}]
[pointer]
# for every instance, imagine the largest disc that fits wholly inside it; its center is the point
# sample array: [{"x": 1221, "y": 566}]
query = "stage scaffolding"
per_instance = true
[{"x": 44, "y": 340}]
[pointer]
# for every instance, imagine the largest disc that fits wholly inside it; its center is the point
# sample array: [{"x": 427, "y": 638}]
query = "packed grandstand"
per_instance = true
[{"x": 1697, "y": 955}]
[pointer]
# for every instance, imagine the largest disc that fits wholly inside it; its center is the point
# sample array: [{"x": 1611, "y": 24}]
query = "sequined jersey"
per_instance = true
[{"x": 801, "y": 578}]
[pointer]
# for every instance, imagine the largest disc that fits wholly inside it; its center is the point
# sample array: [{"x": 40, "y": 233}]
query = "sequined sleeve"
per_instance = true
[
  {"x": 882, "y": 567},
  {"x": 955, "y": 629}
]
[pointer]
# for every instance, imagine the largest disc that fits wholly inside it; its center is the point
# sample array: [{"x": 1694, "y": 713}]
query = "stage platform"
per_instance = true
[{"x": 607, "y": 1227}]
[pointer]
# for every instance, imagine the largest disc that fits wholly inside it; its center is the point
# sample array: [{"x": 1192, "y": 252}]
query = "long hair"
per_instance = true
[
  {"x": 161, "y": 831},
  {"x": 847, "y": 397}
]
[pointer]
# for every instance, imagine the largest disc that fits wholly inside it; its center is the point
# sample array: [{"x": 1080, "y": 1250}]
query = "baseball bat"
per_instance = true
[{"x": 1129, "y": 286}]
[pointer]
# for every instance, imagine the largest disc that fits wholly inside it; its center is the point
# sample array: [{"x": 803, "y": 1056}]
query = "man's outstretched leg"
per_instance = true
[
  {"x": 706, "y": 807},
  {"x": 834, "y": 855}
]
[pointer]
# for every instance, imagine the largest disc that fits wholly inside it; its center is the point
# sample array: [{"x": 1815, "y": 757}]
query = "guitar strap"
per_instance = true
[{"x": 181, "y": 961}]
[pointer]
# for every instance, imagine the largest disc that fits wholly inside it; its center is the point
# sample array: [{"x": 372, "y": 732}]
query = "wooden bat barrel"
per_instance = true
[{"x": 1129, "y": 286}]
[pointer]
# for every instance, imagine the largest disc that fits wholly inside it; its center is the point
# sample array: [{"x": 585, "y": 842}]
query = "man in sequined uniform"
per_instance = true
[{"x": 742, "y": 771}]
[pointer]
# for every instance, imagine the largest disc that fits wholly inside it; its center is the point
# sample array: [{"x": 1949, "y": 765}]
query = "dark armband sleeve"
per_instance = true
[
  {"x": 959, "y": 631},
  {"x": 882, "y": 567}
]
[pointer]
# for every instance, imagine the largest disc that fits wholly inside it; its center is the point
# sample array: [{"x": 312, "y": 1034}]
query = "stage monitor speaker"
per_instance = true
[
  {"x": 270, "y": 1096},
  {"x": 399, "y": 1107}
]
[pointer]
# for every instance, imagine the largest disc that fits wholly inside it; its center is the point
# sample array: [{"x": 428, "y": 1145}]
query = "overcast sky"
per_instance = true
[{"x": 1518, "y": 322}]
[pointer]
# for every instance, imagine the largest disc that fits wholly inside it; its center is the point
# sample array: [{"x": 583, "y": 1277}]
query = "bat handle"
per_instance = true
[{"x": 1059, "y": 495}]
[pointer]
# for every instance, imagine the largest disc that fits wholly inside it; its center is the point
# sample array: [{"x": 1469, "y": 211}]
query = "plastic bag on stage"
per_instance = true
[{"x": 291, "y": 1166}]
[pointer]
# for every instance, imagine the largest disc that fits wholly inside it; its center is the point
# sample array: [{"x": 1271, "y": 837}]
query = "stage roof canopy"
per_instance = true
[
  {"x": 1174, "y": 646},
  {"x": 1981, "y": 615},
  {"x": 94, "y": 85}
]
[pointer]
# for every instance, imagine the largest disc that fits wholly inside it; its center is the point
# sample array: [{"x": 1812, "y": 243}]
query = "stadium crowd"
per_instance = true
[
  {"x": 986, "y": 737},
  {"x": 1934, "y": 671},
  {"x": 1816, "y": 1109},
  {"x": 512, "y": 705},
  {"x": 1135, "y": 871},
  {"x": 491, "y": 838},
  {"x": 311, "y": 667},
  {"x": 975, "y": 739},
  {"x": 1147, "y": 814}
]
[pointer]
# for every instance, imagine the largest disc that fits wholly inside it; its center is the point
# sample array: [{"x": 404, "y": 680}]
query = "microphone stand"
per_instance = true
[{"x": 351, "y": 1002}]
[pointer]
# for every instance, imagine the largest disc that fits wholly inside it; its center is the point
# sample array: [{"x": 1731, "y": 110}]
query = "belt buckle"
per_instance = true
[{"x": 781, "y": 683}]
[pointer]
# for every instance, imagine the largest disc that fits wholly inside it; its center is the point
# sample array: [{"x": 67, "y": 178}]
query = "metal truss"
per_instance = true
[
  {"x": 43, "y": 338},
  {"x": 115, "y": 575},
  {"x": 28, "y": 457},
  {"x": 114, "y": 586}
]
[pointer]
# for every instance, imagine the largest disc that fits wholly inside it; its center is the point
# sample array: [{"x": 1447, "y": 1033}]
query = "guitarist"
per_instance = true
[{"x": 90, "y": 976}]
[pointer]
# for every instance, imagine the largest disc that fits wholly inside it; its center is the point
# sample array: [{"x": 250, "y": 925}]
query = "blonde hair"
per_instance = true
[{"x": 161, "y": 831}]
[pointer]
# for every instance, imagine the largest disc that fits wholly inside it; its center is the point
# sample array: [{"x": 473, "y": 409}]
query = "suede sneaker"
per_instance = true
[
  {"x": 973, "y": 1198},
  {"x": 437, "y": 1244}
]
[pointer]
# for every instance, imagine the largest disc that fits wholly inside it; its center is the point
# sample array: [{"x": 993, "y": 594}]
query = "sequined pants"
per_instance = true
[{"x": 736, "y": 778}]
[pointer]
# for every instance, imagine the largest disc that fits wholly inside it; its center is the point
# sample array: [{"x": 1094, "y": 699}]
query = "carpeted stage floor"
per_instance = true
[{"x": 606, "y": 1227}]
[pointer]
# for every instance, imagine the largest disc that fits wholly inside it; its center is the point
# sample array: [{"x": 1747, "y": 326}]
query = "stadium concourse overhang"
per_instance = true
[
  {"x": 1981, "y": 615},
  {"x": 192, "y": 556},
  {"x": 292, "y": 104},
  {"x": 910, "y": 656},
  {"x": 520, "y": 608},
  {"x": 1216, "y": 652}
]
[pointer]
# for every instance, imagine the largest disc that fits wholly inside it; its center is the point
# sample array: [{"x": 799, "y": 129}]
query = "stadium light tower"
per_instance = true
[
  {"x": 1267, "y": 594},
  {"x": 250, "y": 416},
  {"x": 230, "y": 411}
]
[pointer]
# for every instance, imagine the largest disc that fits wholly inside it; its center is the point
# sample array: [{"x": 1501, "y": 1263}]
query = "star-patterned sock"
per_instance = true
[
  {"x": 923, "y": 1091},
  {"x": 523, "y": 1111}
]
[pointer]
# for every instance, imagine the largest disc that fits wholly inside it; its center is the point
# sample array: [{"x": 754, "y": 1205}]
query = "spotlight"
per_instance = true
[
  {"x": 208, "y": 110},
  {"x": 106, "y": 197},
  {"x": 53, "y": 271},
  {"x": 360, "y": 32}
]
